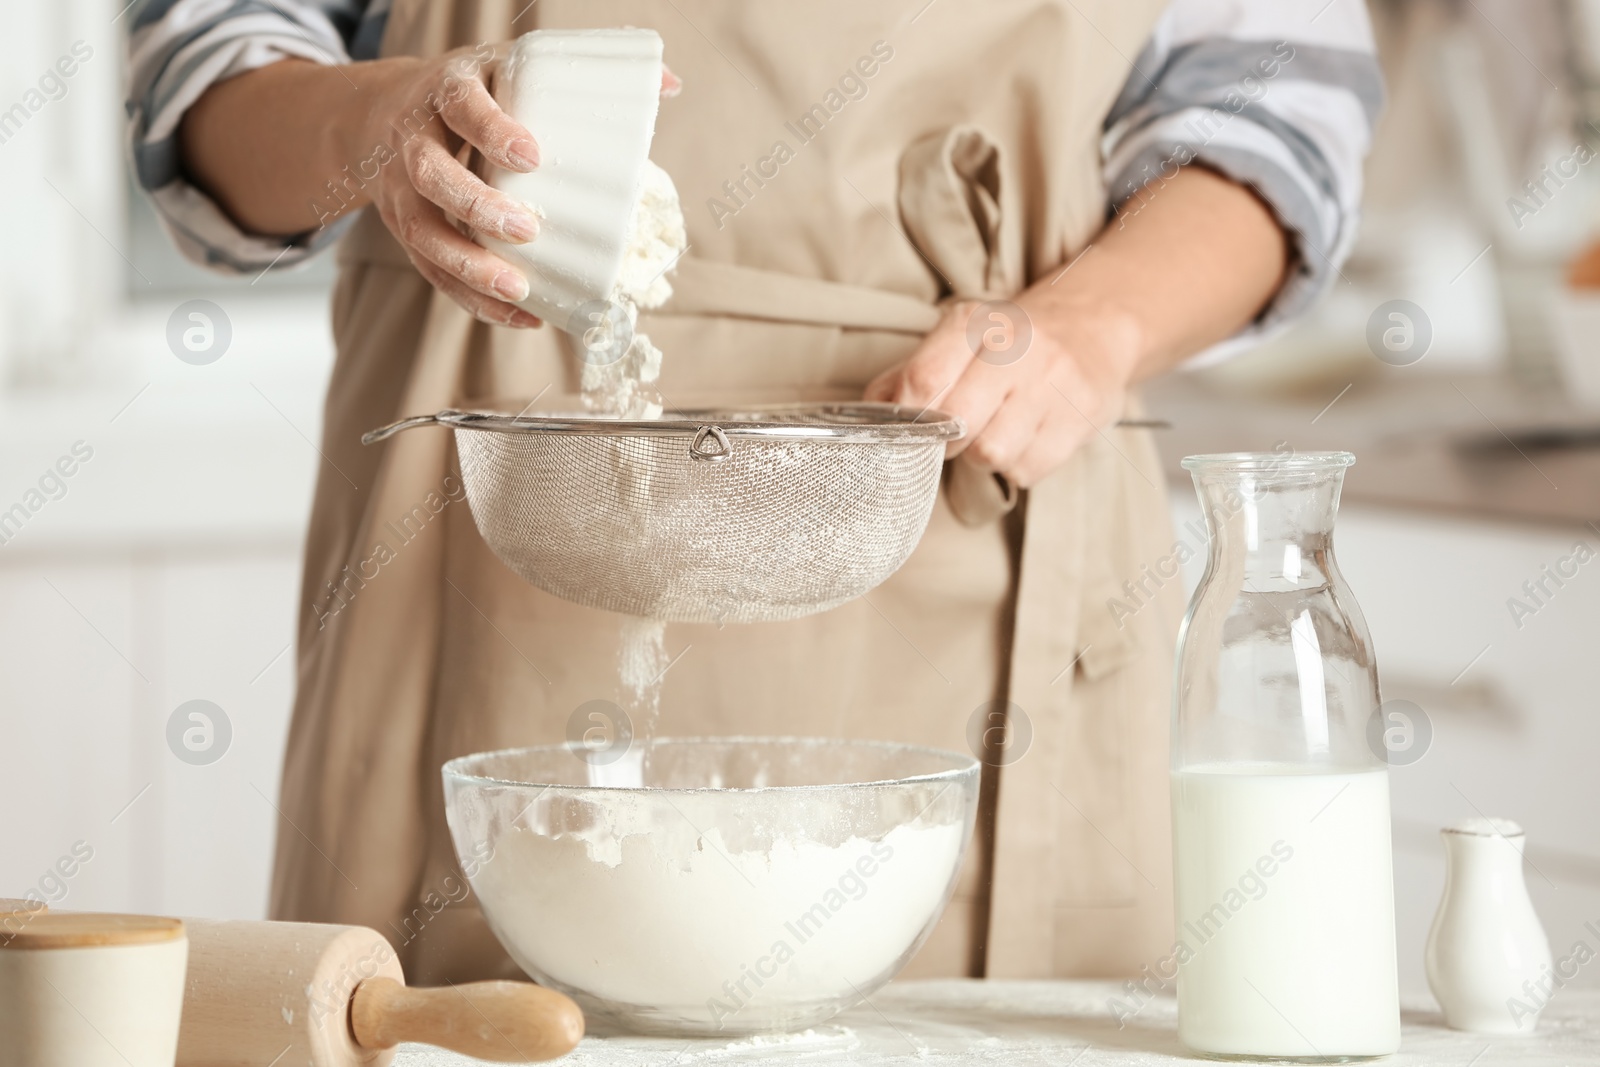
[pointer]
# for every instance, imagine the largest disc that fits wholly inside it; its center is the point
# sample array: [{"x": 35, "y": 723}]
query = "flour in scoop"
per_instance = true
[{"x": 623, "y": 386}]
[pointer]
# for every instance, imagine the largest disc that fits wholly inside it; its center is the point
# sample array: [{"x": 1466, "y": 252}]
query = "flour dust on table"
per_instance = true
[{"x": 972, "y": 1022}]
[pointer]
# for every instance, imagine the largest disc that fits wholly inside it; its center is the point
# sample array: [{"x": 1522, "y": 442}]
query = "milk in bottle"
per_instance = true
[{"x": 1284, "y": 883}]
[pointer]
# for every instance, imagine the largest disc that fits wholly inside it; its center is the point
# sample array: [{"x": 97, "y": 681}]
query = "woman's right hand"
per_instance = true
[
  {"x": 264, "y": 144},
  {"x": 417, "y": 115}
]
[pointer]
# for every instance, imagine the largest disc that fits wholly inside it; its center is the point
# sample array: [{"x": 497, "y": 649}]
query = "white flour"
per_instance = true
[
  {"x": 641, "y": 663},
  {"x": 624, "y": 388},
  {"x": 641, "y": 660},
  {"x": 631, "y": 903}
]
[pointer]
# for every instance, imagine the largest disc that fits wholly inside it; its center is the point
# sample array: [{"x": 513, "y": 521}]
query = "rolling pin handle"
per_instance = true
[{"x": 506, "y": 1022}]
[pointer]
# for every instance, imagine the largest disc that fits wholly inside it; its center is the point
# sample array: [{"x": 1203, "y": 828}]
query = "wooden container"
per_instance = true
[
  {"x": 15, "y": 914},
  {"x": 11, "y": 905}
]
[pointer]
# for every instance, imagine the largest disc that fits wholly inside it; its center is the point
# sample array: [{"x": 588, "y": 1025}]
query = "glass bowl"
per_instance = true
[{"x": 748, "y": 886}]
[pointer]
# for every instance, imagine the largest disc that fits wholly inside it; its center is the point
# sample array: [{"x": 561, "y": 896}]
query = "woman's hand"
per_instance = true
[
  {"x": 1033, "y": 380},
  {"x": 430, "y": 109},
  {"x": 390, "y": 132},
  {"x": 424, "y": 111},
  {"x": 1189, "y": 264}
]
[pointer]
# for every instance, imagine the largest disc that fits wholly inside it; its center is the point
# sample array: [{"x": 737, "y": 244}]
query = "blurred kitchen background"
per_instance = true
[{"x": 164, "y": 568}]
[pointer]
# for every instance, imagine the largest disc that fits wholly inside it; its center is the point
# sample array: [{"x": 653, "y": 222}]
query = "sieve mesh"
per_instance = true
[{"x": 807, "y": 508}]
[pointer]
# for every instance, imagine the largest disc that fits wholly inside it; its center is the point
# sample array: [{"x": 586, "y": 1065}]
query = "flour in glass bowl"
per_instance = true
[{"x": 631, "y": 903}]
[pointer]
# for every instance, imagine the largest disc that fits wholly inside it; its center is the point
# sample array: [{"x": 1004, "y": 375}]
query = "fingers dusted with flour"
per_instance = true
[
  {"x": 472, "y": 113},
  {"x": 395, "y": 143},
  {"x": 291, "y": 150},
  {"x": 422, "y": 200}
]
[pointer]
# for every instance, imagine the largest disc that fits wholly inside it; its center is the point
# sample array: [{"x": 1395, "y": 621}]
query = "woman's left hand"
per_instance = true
[{"x": 1033, "y": 379}]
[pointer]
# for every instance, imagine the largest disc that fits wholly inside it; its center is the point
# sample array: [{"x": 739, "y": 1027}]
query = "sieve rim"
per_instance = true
[{"x": 857, "y": 422}]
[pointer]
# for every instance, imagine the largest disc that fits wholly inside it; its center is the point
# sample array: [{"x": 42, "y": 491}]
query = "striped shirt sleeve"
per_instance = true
[
  {"x": 177, "y": 49},
  {"x": 1280, "y": 95}
]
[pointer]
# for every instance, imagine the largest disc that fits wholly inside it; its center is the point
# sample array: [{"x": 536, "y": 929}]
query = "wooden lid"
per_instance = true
[
  {"x": 59, "y": 930},
  {"x": 12, "y": 906}
]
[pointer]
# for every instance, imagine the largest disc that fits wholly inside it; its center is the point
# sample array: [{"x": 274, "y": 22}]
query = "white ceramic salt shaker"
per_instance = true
[
  {"x": 91, "y": 991},
  {"x": 1488, "y": 959}
]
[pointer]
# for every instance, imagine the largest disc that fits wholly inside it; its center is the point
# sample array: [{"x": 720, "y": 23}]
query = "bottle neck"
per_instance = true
[
  {"x": 1272, "y": 535},
  {"x": 1275, "y": 665},
  {"x": 1281, "y": 565}
]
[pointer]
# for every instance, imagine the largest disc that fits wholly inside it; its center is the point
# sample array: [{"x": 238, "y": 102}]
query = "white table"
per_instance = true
[{"x": 1020, "y": 1024}]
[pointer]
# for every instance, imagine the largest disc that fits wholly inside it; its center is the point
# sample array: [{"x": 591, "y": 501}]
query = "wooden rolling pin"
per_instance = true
[{"x": 309, "y": 995}]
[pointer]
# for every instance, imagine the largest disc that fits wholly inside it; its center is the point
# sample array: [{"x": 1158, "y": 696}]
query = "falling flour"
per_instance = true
[
  {"x": 641, "y": 664},
  {"x": 624, "y": 388},
  {"x": 642, "y": 659},
  {"x": 623, "y": 385}
]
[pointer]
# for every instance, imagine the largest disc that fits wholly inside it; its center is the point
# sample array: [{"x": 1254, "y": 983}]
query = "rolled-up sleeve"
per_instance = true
[
  {"x": 1280, "y": 95},
  {"x": 177, "y": 49}
]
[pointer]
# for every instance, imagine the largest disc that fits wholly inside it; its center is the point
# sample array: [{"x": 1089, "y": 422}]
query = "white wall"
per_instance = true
[
  {"x": 61, "y": 186},
  {"x": 89, "y": 725},
  {"x": 164, "y": 569}
]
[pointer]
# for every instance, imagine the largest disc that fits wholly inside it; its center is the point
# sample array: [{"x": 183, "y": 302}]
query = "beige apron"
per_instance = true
[{"x": 969, "y": 153}]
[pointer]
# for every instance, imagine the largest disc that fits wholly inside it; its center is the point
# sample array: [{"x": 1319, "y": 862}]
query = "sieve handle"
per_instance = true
[
  {"x": 698, "y": 447},
  {"x": 383, "y": 433}
]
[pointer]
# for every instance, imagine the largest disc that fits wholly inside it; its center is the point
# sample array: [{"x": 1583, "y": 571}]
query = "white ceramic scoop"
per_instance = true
[{"x": 589, "y": 97}]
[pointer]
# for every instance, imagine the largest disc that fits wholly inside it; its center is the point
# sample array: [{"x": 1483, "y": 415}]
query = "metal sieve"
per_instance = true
[{"x": 713, "y": 515}]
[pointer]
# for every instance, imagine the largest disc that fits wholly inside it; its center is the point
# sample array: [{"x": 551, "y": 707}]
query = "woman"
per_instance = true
[{"x": 939, "y": 157}]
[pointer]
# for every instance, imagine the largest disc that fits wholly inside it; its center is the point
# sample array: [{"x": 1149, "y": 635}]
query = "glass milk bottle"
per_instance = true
[{"x": 1284, "y": 882}]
